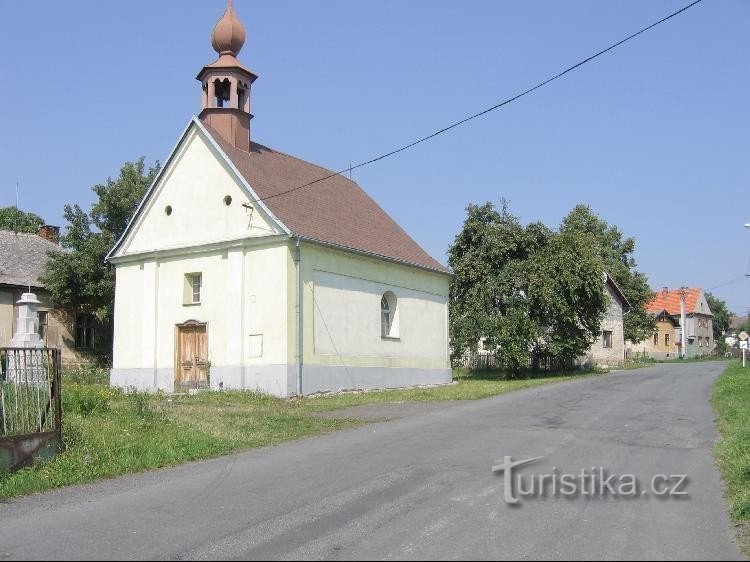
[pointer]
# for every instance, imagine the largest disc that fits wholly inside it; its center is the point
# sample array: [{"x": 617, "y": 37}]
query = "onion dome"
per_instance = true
[{"x": 228, "y": 36}]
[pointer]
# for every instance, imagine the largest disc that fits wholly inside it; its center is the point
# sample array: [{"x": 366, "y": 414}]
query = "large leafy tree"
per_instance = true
[
  {"x": 486, "y": 299},
  {"x": 13, "y": 218},
  {"x": 79, "y": 279},
  {"x": 566, "y": 295},
  {"x": 526, "y": 291},
  {"x": 616, "y": 252},
  {"x": 722, "y": 317}
]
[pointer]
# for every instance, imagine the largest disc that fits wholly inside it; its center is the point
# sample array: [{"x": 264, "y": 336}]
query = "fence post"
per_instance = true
[{"x": 58, "y": 395}]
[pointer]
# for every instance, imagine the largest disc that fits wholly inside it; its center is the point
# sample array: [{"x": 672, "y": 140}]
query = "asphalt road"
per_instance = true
[{"x": 421, "y": 487}]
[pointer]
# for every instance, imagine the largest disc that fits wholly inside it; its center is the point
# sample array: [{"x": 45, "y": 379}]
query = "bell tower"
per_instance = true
[{"x": 226, "y": 84}]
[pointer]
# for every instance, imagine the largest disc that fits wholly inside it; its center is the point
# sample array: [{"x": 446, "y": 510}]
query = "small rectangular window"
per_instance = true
[
  {"x": 656, "y": 339},
  {"x": 666, "y": 340},
  {"x": 607, "y": 338},
  {"x": 43, "y": 319},
  {"x": 192, "y": 289}
]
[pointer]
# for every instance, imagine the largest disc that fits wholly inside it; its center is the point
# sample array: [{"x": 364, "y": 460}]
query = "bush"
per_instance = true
[
  {"x": 86, "y": 374},
  {"x": 141, "y": 405},
  {"x": 87, "y": 399}
]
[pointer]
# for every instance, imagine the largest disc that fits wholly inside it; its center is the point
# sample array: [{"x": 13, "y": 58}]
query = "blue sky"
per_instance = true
[{"x": 654, "y": 136}]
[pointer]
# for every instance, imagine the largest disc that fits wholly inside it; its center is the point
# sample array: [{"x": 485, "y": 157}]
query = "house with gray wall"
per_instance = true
[{"x": 609, "y": 349}]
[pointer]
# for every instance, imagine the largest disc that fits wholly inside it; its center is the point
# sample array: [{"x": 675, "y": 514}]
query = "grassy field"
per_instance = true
[
  {"x": 731, "y": 399},
  {"x": 108, "y": 433}
]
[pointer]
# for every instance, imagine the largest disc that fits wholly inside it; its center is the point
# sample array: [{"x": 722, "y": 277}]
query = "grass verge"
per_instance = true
[
  {"x": 731, "y": 400},
  {"x": 108, "y": 433},
  {"x": 641, "y": 362}
]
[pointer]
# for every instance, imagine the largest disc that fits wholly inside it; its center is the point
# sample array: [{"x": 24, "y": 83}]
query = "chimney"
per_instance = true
[
  {"x": 664, "y": 291},
  {"x": 50, "y": 233}
]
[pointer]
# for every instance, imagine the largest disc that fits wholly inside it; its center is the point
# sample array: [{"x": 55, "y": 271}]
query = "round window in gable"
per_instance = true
[
  {"x": 228, "y": 200},
  {"x": 168, "y": 210}
]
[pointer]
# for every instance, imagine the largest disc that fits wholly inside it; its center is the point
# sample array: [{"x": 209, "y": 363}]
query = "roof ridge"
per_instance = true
[
  {"x": 7, "y": 231},
  {"x": 30, "y": 235}
]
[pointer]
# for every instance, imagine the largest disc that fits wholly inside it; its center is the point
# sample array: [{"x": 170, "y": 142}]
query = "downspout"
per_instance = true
[{"x": 298, "y": 313}]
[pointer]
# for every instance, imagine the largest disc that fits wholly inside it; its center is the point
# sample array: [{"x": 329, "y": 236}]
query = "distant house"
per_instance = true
[
  {"x": 609, "y": 350},
  {"x": 736, "y": 323},
  {"x": 22, "y": 260},
  {"x": 664, "y": 344},
  {"x": 731, "y": 335},
  {"x": 667, "y": 339}
]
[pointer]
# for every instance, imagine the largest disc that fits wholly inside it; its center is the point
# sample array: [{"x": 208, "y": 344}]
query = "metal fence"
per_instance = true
[{"x": 30, "y": 405}]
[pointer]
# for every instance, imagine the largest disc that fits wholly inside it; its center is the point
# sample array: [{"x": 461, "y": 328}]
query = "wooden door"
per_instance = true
[{"x": 191, "y": 362}]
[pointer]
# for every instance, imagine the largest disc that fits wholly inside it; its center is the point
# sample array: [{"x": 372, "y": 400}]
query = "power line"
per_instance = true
[
  {"x": 485, "y": 111},
  {"x": 732, "y": 282}
]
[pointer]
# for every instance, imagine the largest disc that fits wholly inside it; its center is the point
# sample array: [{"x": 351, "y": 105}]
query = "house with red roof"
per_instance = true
[
  {"x": 666, "y": 342},
  {"x": 247, "y": 268}
]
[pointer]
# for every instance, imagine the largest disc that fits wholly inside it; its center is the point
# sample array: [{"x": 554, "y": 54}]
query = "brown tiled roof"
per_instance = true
[
  {"x": 22, "y": 258},
  {"x": 336, "y": 211}
]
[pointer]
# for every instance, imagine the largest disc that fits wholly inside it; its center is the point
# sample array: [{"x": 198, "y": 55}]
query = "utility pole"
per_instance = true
[
  {"x": 683, "y": 347},
  {"x": 744, "y": 350}
]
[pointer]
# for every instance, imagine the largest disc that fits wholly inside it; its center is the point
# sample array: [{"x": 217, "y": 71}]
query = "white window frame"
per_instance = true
[{"x": 193, "y": 288}]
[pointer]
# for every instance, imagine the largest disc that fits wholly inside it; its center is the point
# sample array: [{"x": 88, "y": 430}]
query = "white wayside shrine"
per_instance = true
[
  {"x": 27, "y": 323},
  {"x": 24, "y": 366},
  {"x": 228, "y": 278}
]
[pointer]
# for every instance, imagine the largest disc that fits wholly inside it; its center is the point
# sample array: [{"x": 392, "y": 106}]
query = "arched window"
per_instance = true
[
  {"x": 222, "y": 90},
  {"x": 388, "y": 328}
]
